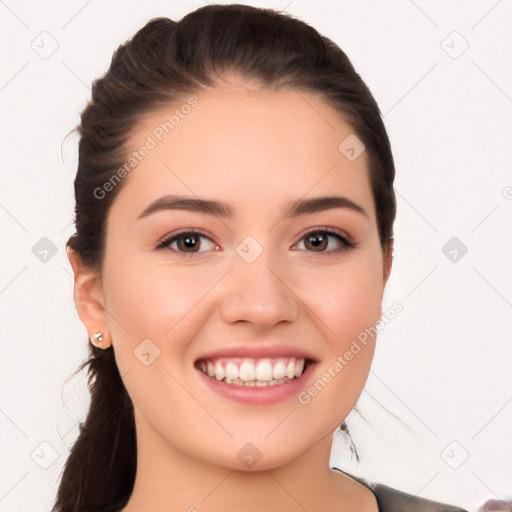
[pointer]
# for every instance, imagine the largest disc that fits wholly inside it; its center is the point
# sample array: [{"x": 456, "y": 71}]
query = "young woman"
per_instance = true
[{"x": 234, "y": 235}]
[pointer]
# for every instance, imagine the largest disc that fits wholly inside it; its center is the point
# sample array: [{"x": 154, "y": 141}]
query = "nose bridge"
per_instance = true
[{"x": 256, "y": 292}]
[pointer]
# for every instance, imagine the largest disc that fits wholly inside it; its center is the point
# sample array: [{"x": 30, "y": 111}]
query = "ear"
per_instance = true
[
  {"x": 89, "y": 299},
  {"x": 388, "y": 262}
]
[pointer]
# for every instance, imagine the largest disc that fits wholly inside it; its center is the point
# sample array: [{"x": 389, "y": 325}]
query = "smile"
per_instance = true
[{"x": 253, "y": 372}]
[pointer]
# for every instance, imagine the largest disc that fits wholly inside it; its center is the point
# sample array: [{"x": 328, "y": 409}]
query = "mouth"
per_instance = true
[
  {"x": 248, "y": 372},
  {"x": 253, "y": 380}
]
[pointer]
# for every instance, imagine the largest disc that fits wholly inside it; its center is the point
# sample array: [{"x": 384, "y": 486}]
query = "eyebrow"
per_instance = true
[{"x": 224, "y": 210}]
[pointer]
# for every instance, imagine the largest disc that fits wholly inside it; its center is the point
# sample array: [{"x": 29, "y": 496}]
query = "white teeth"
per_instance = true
[
  {"x": 264, "y": 370},
  {"x": 299, "y": 367},
  {"x": 220, "y": 373},
  {"x": 279, "y": 370},
  {"x": 290, "y": 370},
  {"x": 251, "y": 372},
  {"x": 247, "y": 371},
  {"x": 231, "y": 371}
]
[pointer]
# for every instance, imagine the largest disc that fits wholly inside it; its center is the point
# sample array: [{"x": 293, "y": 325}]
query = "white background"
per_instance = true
[{"x": 442, "y": 365}]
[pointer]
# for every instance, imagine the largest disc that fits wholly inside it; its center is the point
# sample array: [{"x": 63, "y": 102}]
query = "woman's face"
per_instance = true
[{"x": 263, "y": 273}]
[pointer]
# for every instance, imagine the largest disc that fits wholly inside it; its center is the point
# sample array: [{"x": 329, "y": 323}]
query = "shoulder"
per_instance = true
[{"x": 393, "y": 500}]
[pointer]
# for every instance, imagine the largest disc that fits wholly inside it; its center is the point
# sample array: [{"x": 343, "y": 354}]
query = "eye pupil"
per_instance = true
[
  {"x": 188, "y": 242},
  {"x": 318, "y": 240}
]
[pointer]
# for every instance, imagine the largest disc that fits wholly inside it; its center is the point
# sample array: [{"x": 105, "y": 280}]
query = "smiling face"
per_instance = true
[{"x": 223, "y": 251}]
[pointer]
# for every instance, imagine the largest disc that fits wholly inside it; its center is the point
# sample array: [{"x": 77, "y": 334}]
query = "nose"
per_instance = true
[{"x": 258, "y": 294}]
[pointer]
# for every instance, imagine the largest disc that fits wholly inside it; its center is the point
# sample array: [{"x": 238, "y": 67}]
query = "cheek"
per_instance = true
[
  {"x": 347, "y": 298},
  {"x": 150, "y": 297},
  {"x": 149, "y": 300},
  {"x": 349, "y": 305}
]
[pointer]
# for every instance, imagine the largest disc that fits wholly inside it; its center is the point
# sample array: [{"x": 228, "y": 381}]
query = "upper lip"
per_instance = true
[{"x": 259, "y": 351}]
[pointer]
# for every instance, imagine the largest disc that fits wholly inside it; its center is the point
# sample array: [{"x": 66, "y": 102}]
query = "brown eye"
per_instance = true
[
  {"x": 317, "y": 241},
  {"x": 188, "y": 242},
  {"x": 323, "y": 241}
]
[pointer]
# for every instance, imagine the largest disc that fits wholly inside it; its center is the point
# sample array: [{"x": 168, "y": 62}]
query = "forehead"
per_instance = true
[{"x": 245, "y": 146}]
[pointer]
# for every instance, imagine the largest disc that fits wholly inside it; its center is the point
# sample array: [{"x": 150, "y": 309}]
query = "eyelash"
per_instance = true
[{"x": 173, "y": 237}]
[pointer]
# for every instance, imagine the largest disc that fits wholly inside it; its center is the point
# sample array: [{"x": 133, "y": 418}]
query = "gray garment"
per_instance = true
[{"x": 392, "y": 500}]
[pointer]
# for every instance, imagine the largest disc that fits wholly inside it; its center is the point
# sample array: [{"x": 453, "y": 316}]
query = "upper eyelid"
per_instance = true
[
  {"x": 328, "y": 229},
  {"x": 345, "y": 239},
  {"x": 173, "y": 234}
]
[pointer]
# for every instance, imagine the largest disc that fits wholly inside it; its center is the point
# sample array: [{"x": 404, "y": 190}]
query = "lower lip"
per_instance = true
[{"x": 258, "y": 395}]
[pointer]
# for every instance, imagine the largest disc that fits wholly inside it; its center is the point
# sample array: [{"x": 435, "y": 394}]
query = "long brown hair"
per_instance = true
[{"x": 161, "y": 64}]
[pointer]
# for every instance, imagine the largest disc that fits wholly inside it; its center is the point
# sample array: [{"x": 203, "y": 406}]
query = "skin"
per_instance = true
[{"x": 256, "y": 150}]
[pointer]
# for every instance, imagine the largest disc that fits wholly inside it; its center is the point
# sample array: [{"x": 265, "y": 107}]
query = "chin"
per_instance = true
[{"x": 260, "y": 454}]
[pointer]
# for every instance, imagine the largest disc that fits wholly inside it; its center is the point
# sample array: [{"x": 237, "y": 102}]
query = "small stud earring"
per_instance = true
[{"x": 97, "y": 339}]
